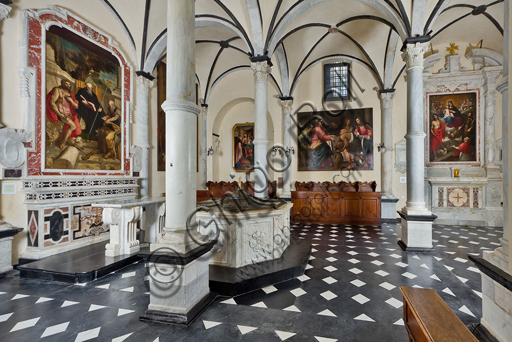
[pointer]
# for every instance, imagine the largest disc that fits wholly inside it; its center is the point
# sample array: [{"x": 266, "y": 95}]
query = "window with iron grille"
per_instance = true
[{"x": 337, "y": 81}]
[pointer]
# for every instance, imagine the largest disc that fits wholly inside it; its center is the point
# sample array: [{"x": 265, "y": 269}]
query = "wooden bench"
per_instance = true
[{"x": 428, "y": 318}]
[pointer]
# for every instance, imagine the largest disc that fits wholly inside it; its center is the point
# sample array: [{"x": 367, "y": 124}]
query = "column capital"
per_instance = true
[
  {"x": 261, "y": 71},
  {"x": 286, "y": 105},
  {"x": 386, "y": 99},
  {"x": 413, "y": 54},
  {"x": 143, "y": 83},
  {"x": 5, "y": 11}
]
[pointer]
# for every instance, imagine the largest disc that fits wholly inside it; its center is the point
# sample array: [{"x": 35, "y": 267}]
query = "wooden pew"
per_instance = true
[{"x": 428, "y": 318}]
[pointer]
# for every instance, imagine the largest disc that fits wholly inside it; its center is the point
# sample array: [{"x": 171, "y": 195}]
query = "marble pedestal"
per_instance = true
[
  {"x": 388, "y": 209},
  {"x": 415, "y": 233},
  {"x": 179, "y": 286},
  {"x": 496, "y": 299},
  {"x": 6, "y": 235},
  {"x": 248, "y": 237},
  {"x": 122, "y": 217}
]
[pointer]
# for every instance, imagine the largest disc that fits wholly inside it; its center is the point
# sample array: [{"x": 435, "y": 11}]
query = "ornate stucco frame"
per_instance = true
[{"x": 33, "y": 87}]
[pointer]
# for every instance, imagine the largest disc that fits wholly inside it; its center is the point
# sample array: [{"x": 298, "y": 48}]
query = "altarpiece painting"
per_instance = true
[
  {"x": 453, "y": 127},
  {"x": 83, "y": 104},
  {"x": 243, "y": 147},
  {"x": 336, "y": 141}
]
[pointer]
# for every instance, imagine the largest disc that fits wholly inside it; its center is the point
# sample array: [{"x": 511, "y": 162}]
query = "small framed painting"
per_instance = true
[{"x": 243, "y": 147}]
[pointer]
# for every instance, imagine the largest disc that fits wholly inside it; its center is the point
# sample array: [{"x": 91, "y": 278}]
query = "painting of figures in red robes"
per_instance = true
[
  {"x": 243, "y": 147},
  {"x": 336, "y": 141},
  {"x": 453, "y": 127},
  {"x": 83, "y": 129}
]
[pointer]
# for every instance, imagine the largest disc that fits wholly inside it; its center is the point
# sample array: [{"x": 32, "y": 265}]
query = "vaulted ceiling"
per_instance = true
[{"x": 297, "y": 34}]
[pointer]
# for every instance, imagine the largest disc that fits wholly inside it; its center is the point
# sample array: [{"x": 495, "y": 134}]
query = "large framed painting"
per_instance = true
[
  {"x": 329, "y": 142},
  {"x": 83, "y": 98},
  {"x": 83, "y": 104},
  {"x": 453, "y": 127},
  {"x": 243, "y": 147}
]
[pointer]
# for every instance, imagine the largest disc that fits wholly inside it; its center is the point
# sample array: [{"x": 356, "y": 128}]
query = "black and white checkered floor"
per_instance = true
[{"x": 349, "y": 292}]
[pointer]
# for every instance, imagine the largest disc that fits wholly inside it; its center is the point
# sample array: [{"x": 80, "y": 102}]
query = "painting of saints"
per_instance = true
[
  {"x": 248, "y": 149},
  {"x": 463, "y": 151},
  {"x": 437, "y": 134},
  {"x": 89, "y": 110},
  {"x": 364, "y": 132},
  {"x": 452, "y": 119},
  {"x": 243, "y": 147},
  {"x": 83, "y": 80},
  {"x": 107, "y": 134},
  {"x": 61, "y": 105},
  {"x": 320, "y": 152},
  {"x": 329, "y": 142}
]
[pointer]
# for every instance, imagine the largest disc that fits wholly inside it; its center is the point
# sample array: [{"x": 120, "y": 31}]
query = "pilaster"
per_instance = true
[
  {"x": 143, "y": 86},
  {"x": 388, "y": 199},
  {"x": 287, "y": 110},
  {"x": 204, "y": 145}
]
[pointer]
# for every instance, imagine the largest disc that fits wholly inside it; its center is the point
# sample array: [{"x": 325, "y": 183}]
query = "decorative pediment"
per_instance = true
[
  {"x": 481, "y": 58},
  {"x": 430, "y": 61}
]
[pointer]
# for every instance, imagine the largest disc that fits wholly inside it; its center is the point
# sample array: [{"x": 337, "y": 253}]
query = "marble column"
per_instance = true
[
  {"x": 493, "y": 172},
  {"x": 261, "y": 71},
  {"x": 178, "y": 266},
  {"x": 416, "y": 229},
  {"x": 500, "y": 256},
  {"x": 388, "y": 199},
  {"x": 143, "y": 86},
  {"x": 204, "y": 145},
  {"x": 496, "y": 266},
  {"x": 286, "y": 105}
]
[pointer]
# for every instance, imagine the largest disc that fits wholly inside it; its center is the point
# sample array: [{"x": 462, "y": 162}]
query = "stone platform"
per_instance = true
[{"x": 81, "y": 265}]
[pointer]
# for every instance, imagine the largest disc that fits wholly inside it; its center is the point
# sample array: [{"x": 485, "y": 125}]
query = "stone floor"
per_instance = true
[{"x": 349, "y": 292}]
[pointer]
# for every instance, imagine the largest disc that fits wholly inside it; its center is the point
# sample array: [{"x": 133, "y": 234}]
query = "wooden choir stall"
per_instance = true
[{"x": 338, "y": 203}]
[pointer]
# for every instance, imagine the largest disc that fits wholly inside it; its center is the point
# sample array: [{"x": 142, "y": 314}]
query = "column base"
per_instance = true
[
  {"x": 388, "y": 209},
  {"x": 496, "y": 299},
  {"x": 179, "y": 286},
  {"x": 499, "y": 257},
  {"x": 414, "y": 249},
  {"x": 177, "y": 318},
  {"x": 415, "y": 233},
  {"x": 179, "y": 240}
]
